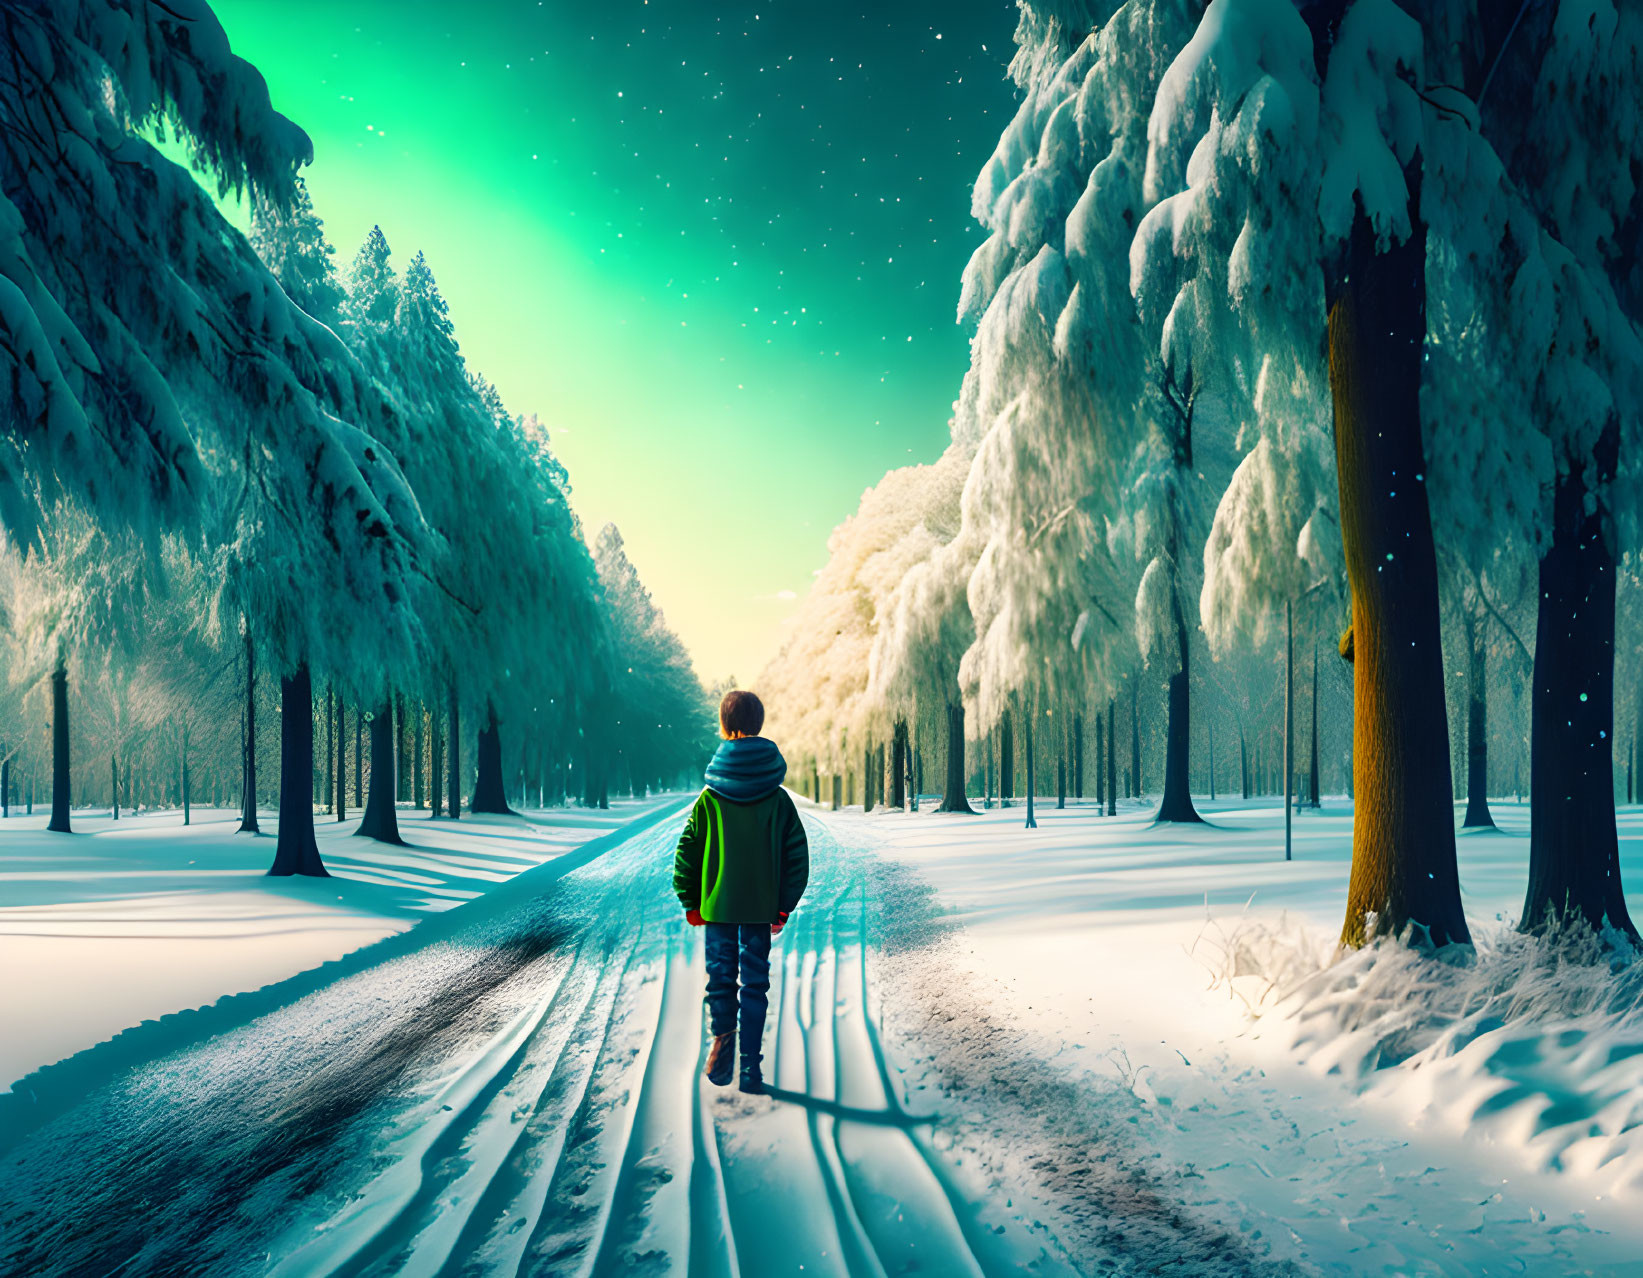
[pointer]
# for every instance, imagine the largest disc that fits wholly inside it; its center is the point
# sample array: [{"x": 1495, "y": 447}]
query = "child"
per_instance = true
[{"x": 740, "y": 869}]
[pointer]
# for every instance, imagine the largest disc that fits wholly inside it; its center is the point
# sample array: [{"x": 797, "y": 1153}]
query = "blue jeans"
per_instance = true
[{"x": 743, "y": 946}]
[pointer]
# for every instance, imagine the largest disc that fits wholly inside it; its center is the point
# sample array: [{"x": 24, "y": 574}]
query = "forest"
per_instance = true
[
  {"x": 267, "y": 536},
  {"x": 1182, "y": 827},
  {"x": 1305, "y": 373}
]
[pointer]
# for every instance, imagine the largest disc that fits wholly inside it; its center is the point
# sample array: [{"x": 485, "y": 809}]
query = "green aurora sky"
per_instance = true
[{"x": 716, "y": 251}]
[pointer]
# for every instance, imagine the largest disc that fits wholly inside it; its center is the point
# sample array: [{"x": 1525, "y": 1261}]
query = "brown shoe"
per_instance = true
[{"x": 721, "y": 1059}]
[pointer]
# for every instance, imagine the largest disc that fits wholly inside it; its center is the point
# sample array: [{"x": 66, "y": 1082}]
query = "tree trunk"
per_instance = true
[
  {"x": 1403, "y": 836},
  {"x": 454, "y": 760},
  {"x": 60, "y": 779},
  {"x": 381, "y": 818},
  {"x": 838, "y": 791},
  {"x": 1176, "y": 805},
  {"x": 114, "y": 785},
  {"x": 297, "y": 851},
  {"x": 989, "y": 772},
  {"x": 1078, "y": 756},
  {"x": 1006, "y": 761},
  {"x": 1312, "y": 779},
  {"x": 330, "y": 749},
  {"x": 1135, "y": 739},
  {"x": 359, "y": 756},
  {"x": 898, "y": 766},
  {"x": 248, "y": 747},
  {"x": 5, "y": 788},
  {"x": 1574, "y": 861},
  {"x": 1209, "y": 725},
  {"x": 1100, "y": 761},
  {"x": 1060, "y": 766},
  {"x": 416, "y": 763},
  {"x": 436, "y": 766},
  {"x": 1032, "y": 773},
  {"x": 489, "y": 794},
  {"x": 1112, "y": 756},
  {"x": 1477, "y": 728},
  {"x": 184, "y": 770},
  {"x": 402, "y": 765},
  {"x": 1243, "y": 759},
  {"x": 342, "y": 759},
  {"x": 953, "y": 798},
  {"x": 1289, "y": 727}
]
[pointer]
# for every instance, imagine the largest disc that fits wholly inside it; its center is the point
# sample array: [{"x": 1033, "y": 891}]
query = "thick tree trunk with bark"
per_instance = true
[
  {"x": 489, "y": 794},
  {"x": 248, "y": 746},
  {"x": 953, "y": 798},
  {"x": 453, "y": 797},
  {"x": 1574, "y": 860},
  {"x": 1477, "y": 728},
  {"x": 60, "y": 779},
  {"x": 1403, "y": 837},
  {"x": 1176, "y": 805},
  {"x": 297, "y": 851},
  {"x": 359, "y": 756},
  {"x": 381, "y": 819}
]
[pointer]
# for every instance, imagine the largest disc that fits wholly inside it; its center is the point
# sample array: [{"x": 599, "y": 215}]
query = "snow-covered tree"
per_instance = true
[
  {"x": 824, "y": 691},
  {"x": 1555, "y": 101},
  {"x": 154, "y": 367},
  {"x": 1284, "y": 169},
  {"x": 666, "y": 724}
]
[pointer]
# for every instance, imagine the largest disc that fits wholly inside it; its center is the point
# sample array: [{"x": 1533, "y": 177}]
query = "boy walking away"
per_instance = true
[{"x": 740, "y": 869}]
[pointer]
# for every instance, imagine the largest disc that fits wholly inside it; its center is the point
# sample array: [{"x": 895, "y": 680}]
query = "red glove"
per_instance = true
[
  {"x": 778, "y": 925},
  {"x": 694, "y": 918}
]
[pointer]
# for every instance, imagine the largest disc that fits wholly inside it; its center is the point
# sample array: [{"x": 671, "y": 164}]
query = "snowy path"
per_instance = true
[{"x": 524, "y": 1096}]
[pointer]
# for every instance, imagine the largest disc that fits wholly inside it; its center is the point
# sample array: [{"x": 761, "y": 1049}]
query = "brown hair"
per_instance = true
[{"x": 742, "y": 712}]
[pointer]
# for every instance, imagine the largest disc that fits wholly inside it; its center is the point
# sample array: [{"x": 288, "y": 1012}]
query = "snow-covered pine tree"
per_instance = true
[
  {"x": 290, "y": 238},
  {"x": 1555, "y": 99},
  {"x": 145, "y": 336},
  {"x": 1285, "y": 165}
]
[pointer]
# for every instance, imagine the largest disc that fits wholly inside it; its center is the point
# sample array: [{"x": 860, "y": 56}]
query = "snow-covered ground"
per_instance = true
[
  {"x": 994, "y": 1051},
  {"x": 129, "y": 920},
  {"x": 1104, "y": 946}
]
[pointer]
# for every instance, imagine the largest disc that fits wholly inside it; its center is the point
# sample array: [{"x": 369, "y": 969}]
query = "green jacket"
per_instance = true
[{"x": 742, "y": 862}]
